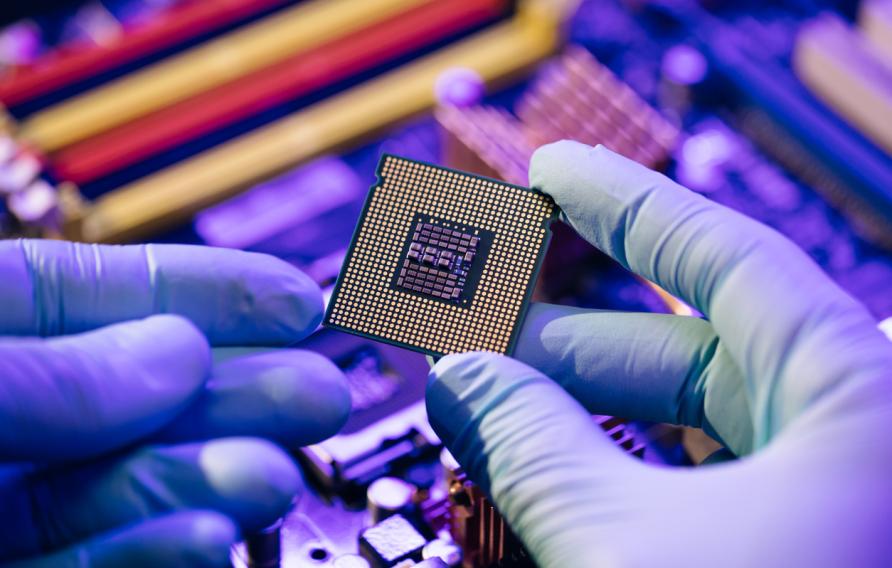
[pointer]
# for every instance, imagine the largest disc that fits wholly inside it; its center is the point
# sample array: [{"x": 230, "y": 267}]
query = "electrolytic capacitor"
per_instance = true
[
  {"x": 351, "y": 561},
  {"x": 388, "y": 496},
  {"x": 392, "y": 542},
  {"x": 446, "y": 550},
  {"x": 264, "y": 548}
]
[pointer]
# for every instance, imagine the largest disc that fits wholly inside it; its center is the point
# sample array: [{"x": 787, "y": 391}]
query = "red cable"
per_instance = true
[
  {"x": 60, "y": 68},
  {"x": 209, "y": 111}
]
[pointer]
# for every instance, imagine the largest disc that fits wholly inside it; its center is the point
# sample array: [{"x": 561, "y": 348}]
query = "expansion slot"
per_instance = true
[
  {"x": 172, "y": 195},
  {"x": 69, "y": 64},
  {"x": 875, "y": 21},
  {"x": 255, "y": 93},
  {"x": 228, "y": 58},
  {"x": 788, "y": 123},
  {"x": 839, "y": 66}
]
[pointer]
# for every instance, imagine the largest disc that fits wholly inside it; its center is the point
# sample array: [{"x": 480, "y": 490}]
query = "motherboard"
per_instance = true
[{"x": 779, "y": 110}]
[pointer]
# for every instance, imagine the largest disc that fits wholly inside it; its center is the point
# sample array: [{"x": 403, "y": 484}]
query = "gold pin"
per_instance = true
[{"x": 508, "y": 225}]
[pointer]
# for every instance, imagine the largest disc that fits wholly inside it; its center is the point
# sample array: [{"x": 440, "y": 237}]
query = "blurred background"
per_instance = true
[{"x": 257, "y": 124}]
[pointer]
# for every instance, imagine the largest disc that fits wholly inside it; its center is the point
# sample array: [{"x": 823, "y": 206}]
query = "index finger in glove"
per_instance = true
[
  {"x": 233, "y": 297},
  {"x": 291, "y": 396},
  {"x": 777, "y": 313}
]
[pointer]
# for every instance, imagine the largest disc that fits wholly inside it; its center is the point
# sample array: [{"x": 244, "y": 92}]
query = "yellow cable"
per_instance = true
[{"x": 234, "y": 55}]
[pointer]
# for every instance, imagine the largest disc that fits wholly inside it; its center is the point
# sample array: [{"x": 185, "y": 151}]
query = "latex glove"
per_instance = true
[
  {"x": 788, "y": 367},
  {"x": 125, "y": 444}
]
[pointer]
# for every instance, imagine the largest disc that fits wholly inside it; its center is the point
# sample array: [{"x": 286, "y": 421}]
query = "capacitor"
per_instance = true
[
  {"x": 388, "y": 496},
  {"x": 448, "y": 461},
  {"x": 16, "y": 174},
  {"x": 702, "y": 158},
  {"x": 684, "y": 65},
  {"x": 392, "y": 542},
  {"x": 20, "y": 43},
  {"x": 350, "y": 561},
  {"x": 34, "y": 204},
  {"x": 682, "y": 68},
  {"x": 459, "y": 87},
  {"x": 264, "y": 549},
  {"x": 431, "y": 563},
  {"x": 886, "y": 327},
  {"x": 446, "y": 550}
]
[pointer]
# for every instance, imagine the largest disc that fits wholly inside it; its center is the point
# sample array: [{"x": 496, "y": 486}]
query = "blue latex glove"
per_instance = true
[
  {"x": 789, "y": 372},
  {"x": 124, "y": 443}
]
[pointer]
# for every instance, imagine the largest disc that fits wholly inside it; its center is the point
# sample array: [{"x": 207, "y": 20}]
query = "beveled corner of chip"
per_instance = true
[{"x": 441, "y": 261}]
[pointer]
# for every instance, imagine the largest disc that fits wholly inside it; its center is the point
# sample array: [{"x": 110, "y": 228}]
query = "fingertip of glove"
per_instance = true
[
  {"x": 236, "y": 297},
  {"x": 298, "y": 284},
  {"x": 559, "y": 150},
  {"x": 553, "y": 160},
  {"x": 165, "y": 347},
  {"x": 285, "y": 294},
  {"x": 211, "y": 535},
  {"x": 462, "y": 387},
  {"x": 255, "y": 476},
  {"x": 453, "y": 371},
  {"x": 447, "y": 383},
  {"x": 169, "y": 342},
  {"x": 337, "y": 402},
  {"x": 182, "y": 329},
  {"x": 564, "y": 170},
  {"x": 312, "y": 389}
]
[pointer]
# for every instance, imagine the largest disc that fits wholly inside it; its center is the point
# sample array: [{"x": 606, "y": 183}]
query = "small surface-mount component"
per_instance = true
[
  {"x": 391, "y": 542},
  {"x": 442, "y": 261},
  {"x": 388, "y": 496},
  {"x": 438, "y": 262},
  {"x": 264, "y": 548}
]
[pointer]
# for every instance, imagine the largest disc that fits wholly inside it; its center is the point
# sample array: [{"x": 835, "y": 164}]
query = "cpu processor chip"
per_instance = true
[{"x": 442, "y": 261}]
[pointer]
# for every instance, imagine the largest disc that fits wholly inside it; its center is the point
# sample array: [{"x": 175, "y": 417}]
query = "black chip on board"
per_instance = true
[{"x": 442, "y": 262}]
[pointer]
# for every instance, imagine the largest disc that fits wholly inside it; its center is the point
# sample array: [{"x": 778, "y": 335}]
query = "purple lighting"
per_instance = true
[
  {"x": 459, "y": 87},
  {"x": 684, "y": 65}
]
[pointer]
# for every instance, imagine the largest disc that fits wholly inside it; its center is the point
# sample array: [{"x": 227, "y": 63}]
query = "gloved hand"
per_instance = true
[
  {"x": 788, "y": 371},
  {"x": 131, "y": 440}
]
